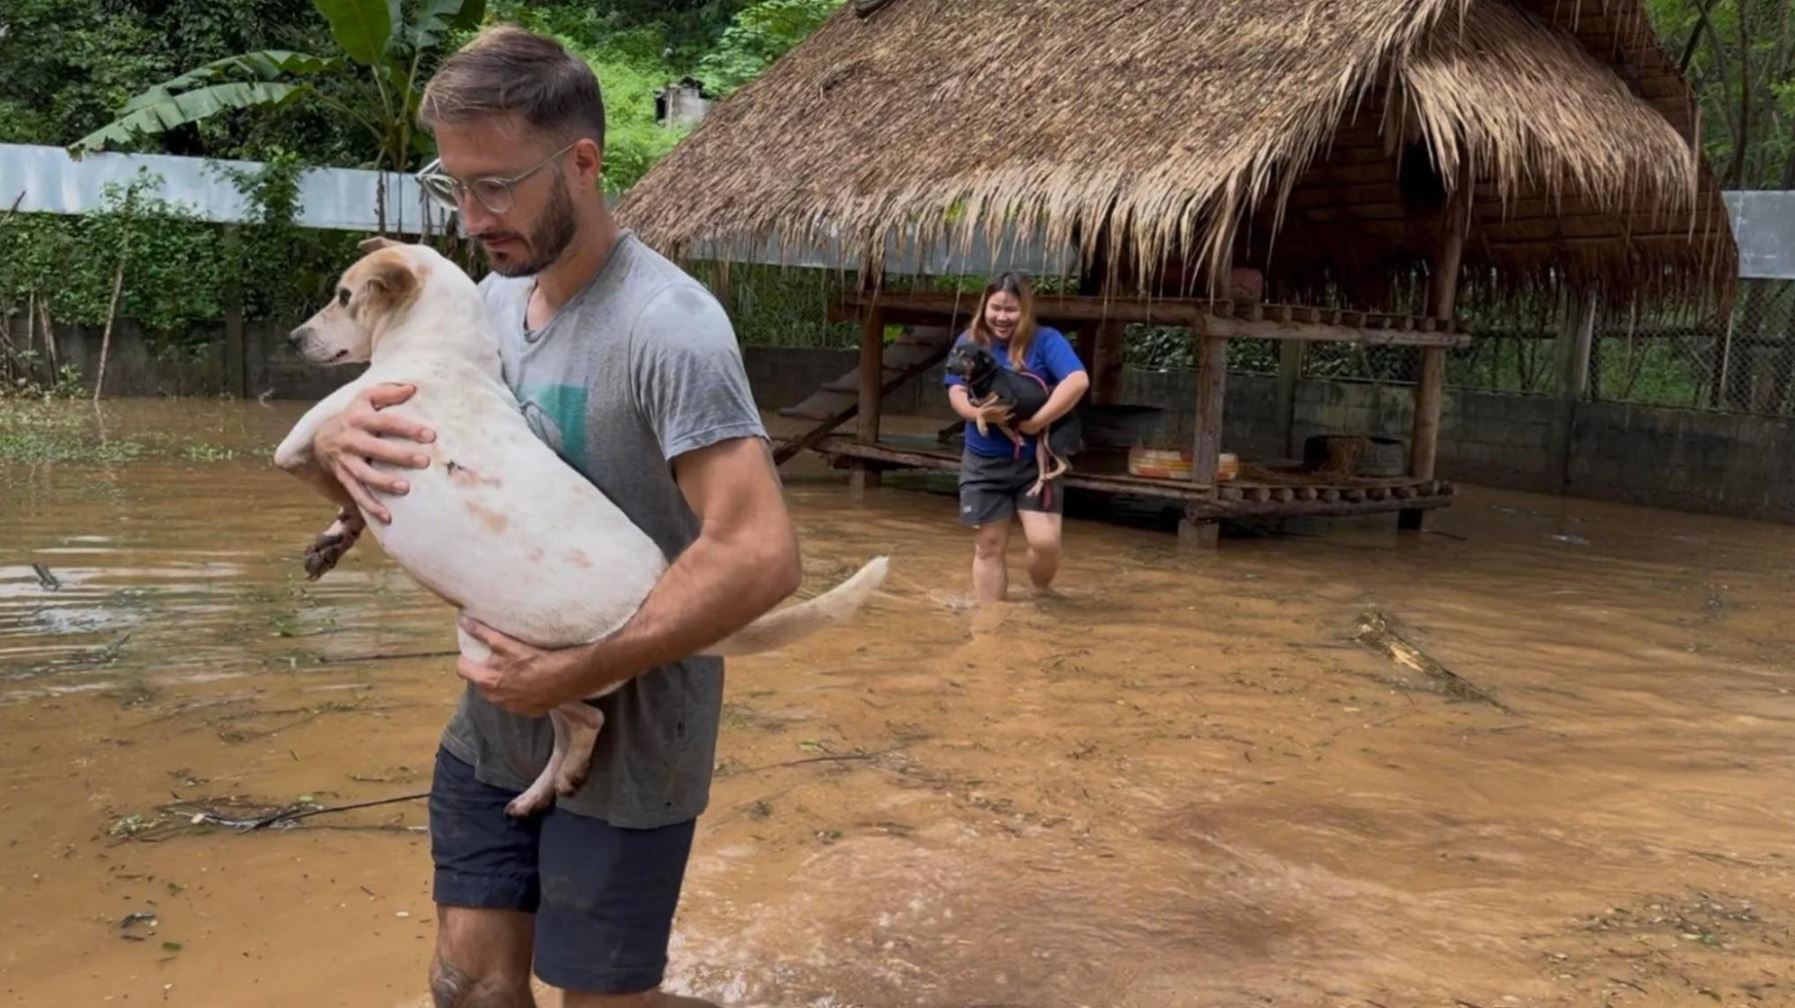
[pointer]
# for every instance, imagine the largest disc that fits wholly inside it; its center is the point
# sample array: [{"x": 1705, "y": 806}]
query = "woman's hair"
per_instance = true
[{"x": 1008, "y": 283}]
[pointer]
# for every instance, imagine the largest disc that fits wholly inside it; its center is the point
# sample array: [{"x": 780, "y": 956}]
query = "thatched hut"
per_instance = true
[{"x": 1340, "y": 147}]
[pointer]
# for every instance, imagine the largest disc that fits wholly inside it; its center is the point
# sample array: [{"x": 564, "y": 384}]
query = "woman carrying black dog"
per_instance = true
[{"x": 998, "y": 473}]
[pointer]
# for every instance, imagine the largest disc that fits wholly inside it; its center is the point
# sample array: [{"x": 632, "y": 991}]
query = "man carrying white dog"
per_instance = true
[{"x": 630, "y": 370}]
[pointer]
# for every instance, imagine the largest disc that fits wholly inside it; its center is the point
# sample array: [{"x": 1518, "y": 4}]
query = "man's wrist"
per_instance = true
[{"x": 605, "y": 664}]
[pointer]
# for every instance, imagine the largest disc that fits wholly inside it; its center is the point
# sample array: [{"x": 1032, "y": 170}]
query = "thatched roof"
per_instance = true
[{"x": 1185, "y": 131}]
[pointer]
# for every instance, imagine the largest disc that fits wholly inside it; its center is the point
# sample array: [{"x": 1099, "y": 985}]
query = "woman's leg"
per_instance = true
[
  {"x": 990, "y": 577},
  {"x": 1042, "y": 530}
]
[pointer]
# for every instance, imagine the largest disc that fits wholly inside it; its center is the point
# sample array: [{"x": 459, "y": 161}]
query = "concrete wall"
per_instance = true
[
  {"x": 1715, "y": 462},
  {"x": 134, "y": 368}
]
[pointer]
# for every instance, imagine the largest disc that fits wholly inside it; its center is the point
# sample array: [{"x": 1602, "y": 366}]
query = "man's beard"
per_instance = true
[{"x": 546, "y": 241}]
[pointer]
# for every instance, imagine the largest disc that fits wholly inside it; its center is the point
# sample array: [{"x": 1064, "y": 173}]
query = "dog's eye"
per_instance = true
[{"x": 343, "y": 297}]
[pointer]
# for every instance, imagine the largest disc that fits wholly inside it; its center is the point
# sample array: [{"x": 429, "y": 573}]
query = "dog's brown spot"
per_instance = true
[
  {"x": 488, "y": 517},
  {"x": 579, "y": 558},
  {"x": 461, "y": 475},
  {"x": 381, "y": 281}
]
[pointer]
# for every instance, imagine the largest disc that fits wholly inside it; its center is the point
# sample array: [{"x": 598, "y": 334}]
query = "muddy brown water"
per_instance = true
[{"x": 1180, "y": 782}]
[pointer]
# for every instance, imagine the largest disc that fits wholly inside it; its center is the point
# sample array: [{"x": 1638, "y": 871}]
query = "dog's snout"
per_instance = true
[{"x": 298, "y": 336}]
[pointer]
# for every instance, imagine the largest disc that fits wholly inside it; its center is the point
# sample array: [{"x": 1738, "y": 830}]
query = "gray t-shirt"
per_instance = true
[{"x": 639, "y": 367}]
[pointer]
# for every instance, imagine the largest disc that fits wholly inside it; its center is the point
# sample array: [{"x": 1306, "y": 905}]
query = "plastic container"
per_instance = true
[{"x": 1175, "y": 464}]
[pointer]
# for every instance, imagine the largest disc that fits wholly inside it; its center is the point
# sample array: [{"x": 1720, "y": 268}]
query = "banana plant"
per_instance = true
[{"x": 374, "y": 37}]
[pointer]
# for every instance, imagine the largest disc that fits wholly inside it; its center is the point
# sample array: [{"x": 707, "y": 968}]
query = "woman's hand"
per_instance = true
[
  {"x": 994, "y": 413},
  {"x": 1032, "y": 426}
]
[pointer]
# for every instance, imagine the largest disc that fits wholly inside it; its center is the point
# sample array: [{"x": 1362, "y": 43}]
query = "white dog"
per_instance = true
[{"x": 498, "y": 525}]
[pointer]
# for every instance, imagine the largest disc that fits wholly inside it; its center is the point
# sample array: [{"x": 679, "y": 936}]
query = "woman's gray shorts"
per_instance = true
[{"x": 994, "y": 488}]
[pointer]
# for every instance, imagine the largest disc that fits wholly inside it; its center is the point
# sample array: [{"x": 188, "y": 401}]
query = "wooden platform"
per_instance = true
[{"x": 1259, "y": 493}]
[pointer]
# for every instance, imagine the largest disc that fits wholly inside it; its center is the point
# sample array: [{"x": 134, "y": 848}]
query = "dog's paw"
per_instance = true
[
  {"x": 569, "y": 779},
  {"x": 330, "y": 545},
  {"x": 529, "y": 803}
]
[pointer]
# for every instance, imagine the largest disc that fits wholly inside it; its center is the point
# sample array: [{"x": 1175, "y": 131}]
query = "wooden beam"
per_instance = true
[
  {"x": 1290, "y": 371},
  {"x": 1106, "y": 366},
  {"x": 872, "y": 372},
  {"x": 1576, "y": 334},
  {"x": 1212, "y": 377},
  {"x": 236, "y": 356},
  {"x": 1278, "y": 321},
  {"x": 1442, "y": 300},
  {"x": 1048, "y": 307},
  {"x": 1327, "y": 332}
]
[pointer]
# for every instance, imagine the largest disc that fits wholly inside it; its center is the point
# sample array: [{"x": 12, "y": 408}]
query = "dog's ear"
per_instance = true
[
  {"x": 375, "y": 244},
  {"x": 388, "y": 279}
]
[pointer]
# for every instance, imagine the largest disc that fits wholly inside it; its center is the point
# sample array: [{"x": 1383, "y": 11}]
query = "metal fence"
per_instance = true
[
  {"x": 1746, "y": 365},
  {"x": 1655, "y": 358}
]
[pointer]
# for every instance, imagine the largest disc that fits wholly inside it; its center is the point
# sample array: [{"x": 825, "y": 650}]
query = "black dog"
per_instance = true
[{"x": 991, "y": 384}]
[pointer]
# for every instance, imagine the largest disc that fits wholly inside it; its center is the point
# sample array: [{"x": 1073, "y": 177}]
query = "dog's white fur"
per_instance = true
[{"x": 498, "y": 525}]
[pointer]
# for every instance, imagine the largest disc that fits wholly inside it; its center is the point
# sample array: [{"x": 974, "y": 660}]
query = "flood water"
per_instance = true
[{"x": 1180, "y": 782}]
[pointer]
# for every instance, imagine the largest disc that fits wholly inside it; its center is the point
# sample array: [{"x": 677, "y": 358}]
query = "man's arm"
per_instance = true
[{"x": 743, "y": 563}]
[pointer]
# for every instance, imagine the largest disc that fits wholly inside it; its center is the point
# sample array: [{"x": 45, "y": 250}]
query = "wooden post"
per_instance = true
[
  {"x": 1212, "y": 377},
  {"x": 1106, "y": 363},
  {"x": 1576, "y": 335},
  {"x": 1442, "y": 296},
  {"x": 1576, "y": 338},
  {"x": 236, "y": 357},
  {"x": 1085, "y": 342},
  {"x": 1290, "y": 371},
  {"x": 872, "y": 371}
]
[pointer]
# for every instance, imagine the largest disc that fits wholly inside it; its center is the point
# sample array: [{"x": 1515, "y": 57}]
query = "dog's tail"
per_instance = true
[{"x": 784, "y": 626}]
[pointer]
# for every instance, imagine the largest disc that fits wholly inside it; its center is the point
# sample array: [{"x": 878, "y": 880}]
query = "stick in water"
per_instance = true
[{"x": 118, "y": 286}]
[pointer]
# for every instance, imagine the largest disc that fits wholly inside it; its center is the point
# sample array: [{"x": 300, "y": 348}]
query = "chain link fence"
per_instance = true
[
  {"x": 1658, "y": 358},
  {"x": 1654, "y": 358},
  {"x": 1745, "y": 365}
]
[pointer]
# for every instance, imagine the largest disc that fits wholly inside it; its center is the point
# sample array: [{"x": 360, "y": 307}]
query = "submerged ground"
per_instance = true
[{"x": 1182, "y": 782}]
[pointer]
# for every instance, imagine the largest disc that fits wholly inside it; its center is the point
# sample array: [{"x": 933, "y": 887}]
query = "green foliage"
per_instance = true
[
  {"x": 282, "y": 268},
  {"x": 771, "y": 306},
  {"x": 298, "y": 82},
  {"x": 68, "y": 66},
  {"x": 177, "y": 270},
  {"x": 633, "y": 140},
  {"x": 169, "y": 258},
  {"x": 1739, "y": 56},
  {"x": 759, "y": 35},
  {"x": 362, "y": 28},
  {"x": 392, "y": 54}
]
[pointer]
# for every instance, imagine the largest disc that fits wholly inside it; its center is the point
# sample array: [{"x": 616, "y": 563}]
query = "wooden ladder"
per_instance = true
[{"x": 837, "y": 402}]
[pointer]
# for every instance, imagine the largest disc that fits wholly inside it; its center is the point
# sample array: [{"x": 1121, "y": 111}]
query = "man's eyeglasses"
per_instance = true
[{"x": 493, "y": 191}]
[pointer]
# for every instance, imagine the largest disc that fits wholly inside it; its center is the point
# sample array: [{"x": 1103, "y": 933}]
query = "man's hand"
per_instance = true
[
  {"x": 347, "y": 444},
  {"x": 524, "y": 679}
]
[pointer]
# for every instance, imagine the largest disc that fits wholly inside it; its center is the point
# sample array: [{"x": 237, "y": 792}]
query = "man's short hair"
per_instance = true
[{"x": 507, "y": 70}]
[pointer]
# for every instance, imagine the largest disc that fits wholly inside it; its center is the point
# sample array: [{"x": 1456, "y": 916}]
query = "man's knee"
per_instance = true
[
  {"x": 990, "y": 543},
  {"x": 454, "y": 987}
]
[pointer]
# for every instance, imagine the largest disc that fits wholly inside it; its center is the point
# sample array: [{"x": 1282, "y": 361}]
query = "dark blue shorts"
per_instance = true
[{"x": 603, "y": 896}]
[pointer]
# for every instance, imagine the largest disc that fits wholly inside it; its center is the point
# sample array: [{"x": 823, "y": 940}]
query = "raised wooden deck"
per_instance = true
[{"x": 1259, "y": 492}]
